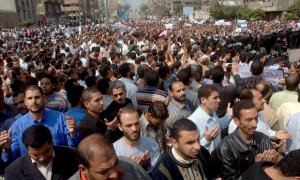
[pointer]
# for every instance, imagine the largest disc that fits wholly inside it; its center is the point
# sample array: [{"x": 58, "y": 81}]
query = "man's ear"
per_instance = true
[
  {"x": 175, "y": 143},
  {"x": 120, "y": 127},
  {"x": 236, "y": 121},
  {"x": 86, "y": 104},
  {"x": 83, "y": 170}
]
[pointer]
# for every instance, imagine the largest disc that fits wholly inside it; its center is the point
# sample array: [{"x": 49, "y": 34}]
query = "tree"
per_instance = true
[
  {"x": 143, "y": 10},
  {"x": 27, "y": 23},
  {"x": 218, "y": 11},
  {"x": 293, "y": 13},
  {"x": 246, "y": 13}
]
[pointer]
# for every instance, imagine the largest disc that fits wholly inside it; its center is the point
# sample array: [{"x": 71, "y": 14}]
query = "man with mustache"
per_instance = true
[
  {"x": 62, "y": 128},
  {"x": 179, "y": 106},
  {"x": 144, "y": 150},
  {"x": 245, "y": 146},
  {"x": 205, "y": 117},
  {"x": 187, "y": 159}
]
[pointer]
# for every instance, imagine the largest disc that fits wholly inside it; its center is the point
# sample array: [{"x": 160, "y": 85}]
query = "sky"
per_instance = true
[{"x": 135, "y": 3}]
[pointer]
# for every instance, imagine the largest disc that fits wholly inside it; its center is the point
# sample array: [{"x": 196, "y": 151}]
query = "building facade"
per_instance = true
[
  {"x": 48, "y": 11},
  {"x": 8, "y": 14},
  {"x": 26, "y": 10}
]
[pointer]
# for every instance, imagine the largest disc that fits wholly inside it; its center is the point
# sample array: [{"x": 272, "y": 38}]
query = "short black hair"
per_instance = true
[
  {"x": 50, "y": 77},
  {"x": 74, "y": 95},
  {"x": 247, "y": 94},
  {"x": 289, "y": 165},
  {"x": 103, "y": 85},
  {"x": 184, "y": 75},
  {"x": 158, "y": 110},
  {"x": 205, "y": 91},
  {"x": 124, "y": 69},
  {"x": 163, "y": 71},
  {"x": 182, "y": 124},
  {"x": 257, "y": 67},
  {"x": 152, "y": 78},
  {"x": 91, "y": 81},
  {"x": 36, "y": 136},
  {"x": 242, "y": 105},
  {"x": 217, "y": 74},
  {"x": 83, "y": 73},
  {"x": 104, "y": 69}
]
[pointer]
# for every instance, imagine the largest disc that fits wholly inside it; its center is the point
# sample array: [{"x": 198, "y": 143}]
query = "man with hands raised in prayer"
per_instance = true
[{"x": 62, "y": 128}]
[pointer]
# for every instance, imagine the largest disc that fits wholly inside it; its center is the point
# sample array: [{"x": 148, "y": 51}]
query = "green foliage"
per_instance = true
[
  {"x": 218, "y": 11},
  {"x": 27, "y": 22},
  {"x": 143, "y": 9},
  {"x": 293, "y": 13}
]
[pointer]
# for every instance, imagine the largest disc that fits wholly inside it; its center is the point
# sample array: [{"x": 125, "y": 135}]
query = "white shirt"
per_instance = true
[
  {"x": 262, "y": 126},
  {"x": 46, "y": 171},
  {"x": 293, "y": 128}
]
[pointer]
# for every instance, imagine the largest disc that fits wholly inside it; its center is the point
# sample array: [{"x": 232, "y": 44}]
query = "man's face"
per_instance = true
[
  {"x": 178, "y": 92},
  {"x": 211, "y": 103},
  {"x": 188, "y": 144},
  {"x": 43, "y": 154},
  {"x": 103, "y": 168},
  {"x": 46, "y": 86},
  {"x": 34, "y": 101},
  {"x": 155, "y": 122},
  {"x": 130, "y": 126},
  {"x": 95, "y": 105},
  {"x": 19, "y": 103},
  {"x": 247, "y": 122},
  {"x": 119, "y": 95},
  {"x": 258, "y": 100}
]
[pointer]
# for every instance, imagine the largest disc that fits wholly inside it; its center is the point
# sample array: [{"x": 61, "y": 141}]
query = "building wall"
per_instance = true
[
  {"x": 8, "y": 5},
  {"x": 26, "y": 9},
  {"x": 8, "y": 19}
]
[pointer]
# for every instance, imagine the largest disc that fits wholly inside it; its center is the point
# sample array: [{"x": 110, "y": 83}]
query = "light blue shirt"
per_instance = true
[
  {"x": 202, "y": 120},
  {"x": 144, "y": 144},
  {"x": 131, "y": 90},
  {"x": 293, "y": 128}
]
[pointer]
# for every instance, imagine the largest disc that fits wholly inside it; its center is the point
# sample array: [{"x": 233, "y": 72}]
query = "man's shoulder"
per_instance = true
[
  {"x": 147, "y": 140},
  {"x": 18, "y": 165}
]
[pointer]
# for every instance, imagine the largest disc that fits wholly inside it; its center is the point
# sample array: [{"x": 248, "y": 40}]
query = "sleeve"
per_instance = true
[
  {"x": 238, "y": 80},
  {"x": 72, "y": 142},
  {"x": 15, "y": 149},
  {"x": 227, "y": 166}
]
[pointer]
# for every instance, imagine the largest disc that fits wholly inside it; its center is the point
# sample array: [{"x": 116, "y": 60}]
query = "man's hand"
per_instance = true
[
  {"x": 268, "y": 155},
  {"x": 282, "y": 135},
  {"x": 235, "y": 68},
  {"x": 5, "y": 140},
  {"x": 71, "y": 124},
  {"x": 229, "y": 110},
  {"x": 111, "y": 125},
  {"x": 211, "y": 135},
  {"x": 143, "y": 160}
]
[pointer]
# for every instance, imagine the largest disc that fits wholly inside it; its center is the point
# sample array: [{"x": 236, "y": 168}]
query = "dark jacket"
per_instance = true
[
  {"x": 64, "y": 166},
  {"x": 233, "y": 156},
  {"x": 257, "y": 171},
  {"x": 166, "y": 168},
  {"x": 227, "y": 95},
  {"x": 90, "y": 125}
]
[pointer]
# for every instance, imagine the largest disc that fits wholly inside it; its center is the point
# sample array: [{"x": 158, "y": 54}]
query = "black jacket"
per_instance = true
[
  {"x": 65, "y": 164},
  {"x": 233, "y": 156}
]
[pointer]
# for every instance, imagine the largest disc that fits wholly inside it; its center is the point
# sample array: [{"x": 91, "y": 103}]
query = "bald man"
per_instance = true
[
  {"x": 98, "y": 160},
  {"x": 287, "y": 95}
]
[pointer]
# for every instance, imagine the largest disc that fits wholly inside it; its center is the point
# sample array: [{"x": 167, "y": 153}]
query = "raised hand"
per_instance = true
[
  {"x": 211, "y": 135},
  {"x": 111, "y": 125},
  {"x": 71, "y": 125},
  {"x": 5, "y": 140}
]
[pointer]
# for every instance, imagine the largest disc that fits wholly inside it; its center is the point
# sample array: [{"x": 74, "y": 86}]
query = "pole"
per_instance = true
[{"x": 106, "y": 14}]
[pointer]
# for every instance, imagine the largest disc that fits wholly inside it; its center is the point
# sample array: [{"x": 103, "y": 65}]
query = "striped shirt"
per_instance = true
[{"x": 149, "y": 95}]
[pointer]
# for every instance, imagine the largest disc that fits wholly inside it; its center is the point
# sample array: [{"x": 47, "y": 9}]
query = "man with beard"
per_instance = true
[
  {"x": 92, "y": 123},
  {"x": 179, "y": 106},
  {"x": 127, "y": 72},
  {"x": 18, "y": 99},
  {"x": 205, "y": 117},
  {"x": 118, "y": 91},
  {"x": 144, "y": 150},
  {"x": 62, "y": 128},
  {"x": 245, "y": 146},
  {"x": 187, "y": 159}
]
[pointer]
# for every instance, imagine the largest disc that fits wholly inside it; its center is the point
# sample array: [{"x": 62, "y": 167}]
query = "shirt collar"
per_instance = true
[
  {"x": 48, "y": 165},
  {"x": 179, "y": 158},
  {"x": 242, "y": 146},
  {"x": 179, "y": 104},
  {"x": 206, "y": 115}
]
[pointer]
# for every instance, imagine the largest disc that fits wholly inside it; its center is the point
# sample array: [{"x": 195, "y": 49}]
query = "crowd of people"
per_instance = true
[{"x": 146, "y": 102}]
